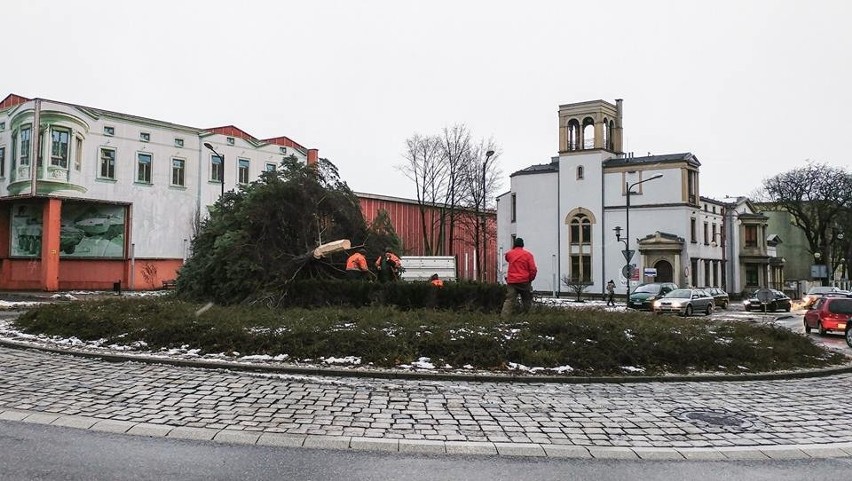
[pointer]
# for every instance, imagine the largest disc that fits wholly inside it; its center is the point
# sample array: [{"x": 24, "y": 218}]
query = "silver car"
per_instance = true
[{"x": 685, "y": 302}]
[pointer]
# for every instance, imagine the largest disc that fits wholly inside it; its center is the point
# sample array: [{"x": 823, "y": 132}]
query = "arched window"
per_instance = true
[
  {"x": 605, "y": 133},
  {"x": 581, "y": 230},
  {"x": 579, "y": 172},
  {"x": 573, "y": 134},
  {"x": 588, "y": 133}
]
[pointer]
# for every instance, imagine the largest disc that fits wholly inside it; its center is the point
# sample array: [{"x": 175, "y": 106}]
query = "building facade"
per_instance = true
[
  {"x": 596, "y": 213},
  {"x": 91, "y": 198}
]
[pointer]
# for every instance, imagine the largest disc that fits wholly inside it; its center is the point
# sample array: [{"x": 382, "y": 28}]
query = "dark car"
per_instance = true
[
  {"x": 774, "y": 300},
  {"x": 720, "y": 297},
  {"x": 829, "y": 314},
  {"x": 643, "y": 297}
]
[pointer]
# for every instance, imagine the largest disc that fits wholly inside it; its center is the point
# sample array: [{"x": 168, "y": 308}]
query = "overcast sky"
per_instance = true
[{"x": 753, "y": 88}]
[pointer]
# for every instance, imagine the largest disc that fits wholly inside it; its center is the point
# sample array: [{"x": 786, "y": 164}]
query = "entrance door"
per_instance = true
[{"x": 664, "y": 271}]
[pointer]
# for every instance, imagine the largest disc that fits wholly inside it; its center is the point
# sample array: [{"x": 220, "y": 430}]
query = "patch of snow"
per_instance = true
[
  {"x": 348, "y": 360},
  {"x": 632, "y": 369}
]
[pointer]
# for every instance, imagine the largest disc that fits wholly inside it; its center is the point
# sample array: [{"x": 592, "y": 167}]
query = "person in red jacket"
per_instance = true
[{"x": 522, "y": 271}]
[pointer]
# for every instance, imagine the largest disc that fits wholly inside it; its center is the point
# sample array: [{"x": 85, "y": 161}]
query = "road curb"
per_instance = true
[{"x": 421, "y": 376}]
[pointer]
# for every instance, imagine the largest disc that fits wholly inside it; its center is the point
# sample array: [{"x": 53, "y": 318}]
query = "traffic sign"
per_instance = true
[
  {"x": 625, "y": 272},
  {"x": 628, "y": 254}
]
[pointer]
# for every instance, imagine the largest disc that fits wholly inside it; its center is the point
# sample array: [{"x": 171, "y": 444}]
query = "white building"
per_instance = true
[
  {"x": 573, "y": 214},
  {"x": 113, "y": 198}
]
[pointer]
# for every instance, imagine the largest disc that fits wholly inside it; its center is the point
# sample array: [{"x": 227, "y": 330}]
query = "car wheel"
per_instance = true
[
  {"x": 821, "y": 329},
  {"x": 787, "y": 309},
  {"x": 848, "y": 337},
  {"x": 688, "y": 310},
  {"x": 709, "y": 309},
  {"x": 725, "y": 305},
  {"x": 807, "y": 328}
]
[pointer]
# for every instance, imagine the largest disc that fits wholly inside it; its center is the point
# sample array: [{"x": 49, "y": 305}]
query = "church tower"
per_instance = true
[{"x": 591, "y": 125}]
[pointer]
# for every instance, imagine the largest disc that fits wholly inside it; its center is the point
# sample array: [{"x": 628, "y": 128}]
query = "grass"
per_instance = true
[{"x": 592, "y": 343}]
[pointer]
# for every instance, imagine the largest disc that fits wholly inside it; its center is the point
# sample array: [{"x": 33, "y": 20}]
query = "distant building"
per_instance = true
[{"x": 573, "y": 215}]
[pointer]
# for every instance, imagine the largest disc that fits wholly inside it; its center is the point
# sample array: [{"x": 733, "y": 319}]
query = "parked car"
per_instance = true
[
  {"x": 720, "y": 297},
  {"x": 778, "y": 301},
  {"x": 815, "y": 293},
  {"x": 685, "y": 302},
  {"x": 829, "y": 314},
  {"x": 645, "y": 295}
]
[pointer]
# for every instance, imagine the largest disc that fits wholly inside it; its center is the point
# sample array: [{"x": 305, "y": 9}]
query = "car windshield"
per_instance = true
[
  {"x": 680, "y": 293},
  {"x": 648, "y": 288},
  {"x": 840, "y": 306}
]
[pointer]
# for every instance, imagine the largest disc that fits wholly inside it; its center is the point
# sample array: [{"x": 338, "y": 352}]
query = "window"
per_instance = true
[
  {"x": 752, "y": 275},
  {"x": 283, "y": 150},
  {"x": 2, "y": 126},
  {"x": 706, "y": 234},
  {"x": 178, "y": 168},
  {"x": 692, "y": 186},
  {"x": 244, "y": 171},
  {"x": 230, "y": 140},
  {"x": 579, "y": 172},
  {"x": 143, "y": 168},
  {"x": 707, "y": 271},
  {"x": 581, "y": 230},
  {"x": 713, "y": 235},
  {"x": 270, "y": 167},
  {"x": 692, "y": 231},
  {"x": 109, "y": 131},
  {"x": 751, "y": 236},
  {"x": 514, "y": 212},
  {"x": 78, "y": 153},
  {"x": 26, "y": 133},
  {"x": 59, "y": 140},
  {"x": 178, "y": 142},
  {"x": 2, "y": 161},
  {"x": 217, "y": 168},
  {"x": 581, "y": 268},
  {"x": 145, "y": 137},
  {"x": 694, "y": 273},
  {"x": 107, "y": 163}
]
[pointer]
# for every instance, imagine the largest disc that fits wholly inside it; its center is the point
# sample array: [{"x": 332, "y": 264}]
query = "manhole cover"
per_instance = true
[{"x": 720, "y": 418}]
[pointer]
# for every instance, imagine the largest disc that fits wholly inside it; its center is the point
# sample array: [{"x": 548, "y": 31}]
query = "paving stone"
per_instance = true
[
  {"x": 422, "y": 446},
  {"x": 519, "y": 449},
  {"x": 41, "y": 418},
  {"x": 612, "y": 453},
  {"x": 79, "y": 422},
  {"x": 236, "y": 437},
  {"x": 374, "y": 444},
  {"x": 111, "y": 426},
  {"x": 327, "y": 442},
  {"x": 471, "y": 448},
  {"x": 185, "y": 432},
  {"x": 152, "y": 430},
  {"x": 657, "y": 453},
  {"x": 13, "y": 415}
]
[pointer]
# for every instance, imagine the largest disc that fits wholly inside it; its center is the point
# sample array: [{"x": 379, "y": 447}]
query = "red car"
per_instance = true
[{"x": 829, "y": 314}]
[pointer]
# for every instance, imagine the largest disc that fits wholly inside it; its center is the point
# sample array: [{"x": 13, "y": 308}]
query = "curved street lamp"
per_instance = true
[
  {"x": 221, "y": 166},
  {"x": 628, "y": 254}
]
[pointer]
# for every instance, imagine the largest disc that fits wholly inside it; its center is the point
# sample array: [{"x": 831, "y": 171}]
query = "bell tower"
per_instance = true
[{"x": 591, "y": 125}]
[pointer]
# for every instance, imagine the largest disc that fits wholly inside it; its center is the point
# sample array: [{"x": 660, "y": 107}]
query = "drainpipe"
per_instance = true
[{"x": 558, "y": 287}]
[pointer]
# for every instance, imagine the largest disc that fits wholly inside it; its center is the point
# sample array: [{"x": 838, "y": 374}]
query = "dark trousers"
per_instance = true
[
  {"x": 610, "y": 300},
  {"x": 512, "y": 292}
]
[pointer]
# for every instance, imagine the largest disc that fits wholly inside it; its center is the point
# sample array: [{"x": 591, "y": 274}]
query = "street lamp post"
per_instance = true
[
  {"x": 627, "y": 253},
  {"x": 484, "y": 216},
  {"x": 222, "y": 165}
]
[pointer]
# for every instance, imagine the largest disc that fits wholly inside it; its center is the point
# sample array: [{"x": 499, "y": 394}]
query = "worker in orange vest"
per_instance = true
[
  {"x": 388, "y": 265},
  {"x": 356, "y": 265},
  {"x": 436, "y": 281}
]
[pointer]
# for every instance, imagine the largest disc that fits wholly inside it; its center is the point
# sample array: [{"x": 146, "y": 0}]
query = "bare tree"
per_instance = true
[
  {"x": 819, "y": 198},
  {"x": 456, "y": 151},
  {"x": 426, "y": 167}
]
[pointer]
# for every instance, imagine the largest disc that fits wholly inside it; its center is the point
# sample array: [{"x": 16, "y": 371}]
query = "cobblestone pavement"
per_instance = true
[{"x": 684, "y": 419}]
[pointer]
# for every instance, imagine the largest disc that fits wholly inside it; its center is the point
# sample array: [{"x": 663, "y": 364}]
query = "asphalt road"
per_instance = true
[{"x": 32, "y": 451}]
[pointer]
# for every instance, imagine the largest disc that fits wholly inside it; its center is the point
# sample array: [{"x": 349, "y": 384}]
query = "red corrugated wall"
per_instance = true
[{"x": 405, "y": 216}]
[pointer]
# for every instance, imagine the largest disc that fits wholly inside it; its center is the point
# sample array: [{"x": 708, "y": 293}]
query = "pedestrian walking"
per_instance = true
[
  {"x": 519, "y": 276},
  {"x": 610, "y": 293},
  {"x": 356, "y": 265}
]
